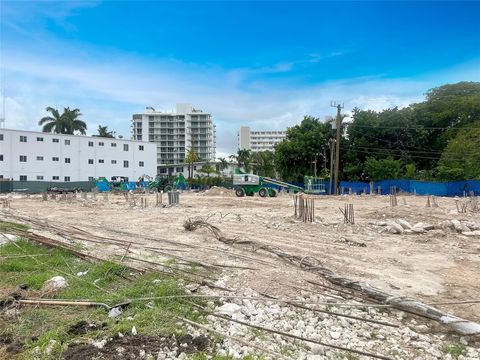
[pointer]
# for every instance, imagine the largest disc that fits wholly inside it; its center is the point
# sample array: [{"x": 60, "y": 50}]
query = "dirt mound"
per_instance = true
[
  {"x": 218, "y": 191},
  {"x": 136, "y": 347},
  {"x": 82, "y": 327}
]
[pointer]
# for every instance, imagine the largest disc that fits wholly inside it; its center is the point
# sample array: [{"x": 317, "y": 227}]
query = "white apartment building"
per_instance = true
[
  {"x": 38, "y": 156},
  {"x": 259, "y": 140},
  {"x": 174, "y": 133}
]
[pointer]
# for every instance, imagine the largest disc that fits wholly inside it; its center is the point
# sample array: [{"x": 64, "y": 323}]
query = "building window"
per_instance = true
[
  {"x": 67, "y": 178},
  {"x": 180, "y": 169},
  {"x": 125, "y": 147},
  {"x": 114, "y": 161},
  {"x": 125, "y": 163},
  {"x": 55, "y": 140},
  {"x": 90, "y": 143},
  {"x": 101, "y": 143},
  {"x": 39, "y": 177},
  {"x": 23, "y": 158},
  {"x": 101, "y": 161},
  {"x": 90, "y": 161},
  {"x": 195, "y": 167},
  {"x": 163, "y": 171},
  {"x": 113, "y": 144},
  {"x": 67, "y": 142},
  {"x": 23, "y": 177},
  {"x": 23, "y": 138},
  {"x": 40, "y": 139},
  {"x": 55, "y": 177},
  {"x": 67, "y": 160},
  {"x": 91, "y": 178},
  {"x": 140, "y": 147},
  {"x": 1, "y": 137},
  {"x": 141, "y": 163},
  {"x": 1, "y": 157},
  {"x": 40, "y": 158},
  {"x": 55, "y": 158}
]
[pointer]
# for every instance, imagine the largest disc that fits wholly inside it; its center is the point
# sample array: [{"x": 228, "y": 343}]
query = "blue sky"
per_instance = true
[{"x": 263, "y": 64}]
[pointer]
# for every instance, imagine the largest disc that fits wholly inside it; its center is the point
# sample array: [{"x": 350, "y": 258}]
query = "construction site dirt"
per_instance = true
[
  {"x": 436, "y": 266},
  {"x": 423, "y": 248}
]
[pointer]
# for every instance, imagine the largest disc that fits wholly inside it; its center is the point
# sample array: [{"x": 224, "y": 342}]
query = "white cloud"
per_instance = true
[{"x": 109, "y": 91}]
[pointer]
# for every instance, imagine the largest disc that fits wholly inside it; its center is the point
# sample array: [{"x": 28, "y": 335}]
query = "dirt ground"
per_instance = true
[{"x": 440, "y": 265}]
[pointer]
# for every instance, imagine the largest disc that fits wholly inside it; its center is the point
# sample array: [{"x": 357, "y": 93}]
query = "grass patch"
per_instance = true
[
  {"x": 6, "y": 226},
  {"x": 455, "y": 350},
  {"x": 104, "y": 282}
]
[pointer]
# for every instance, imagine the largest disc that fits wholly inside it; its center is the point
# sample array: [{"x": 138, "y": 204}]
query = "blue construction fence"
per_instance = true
[{"x": 452, "y": 188}]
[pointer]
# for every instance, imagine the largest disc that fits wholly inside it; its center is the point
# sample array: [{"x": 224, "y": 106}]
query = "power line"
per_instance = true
[
  {"x": 387, "y": 152},
  {"x": 412, "y": 127},
  {"x": 403, "y": 150},
  {"x": 389, "y": 142}
]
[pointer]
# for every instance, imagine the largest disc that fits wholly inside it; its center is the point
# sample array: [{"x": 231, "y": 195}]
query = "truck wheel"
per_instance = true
[
  {"x": 263, "y": 192},
  {"x": 273, "y": 193},
  {"x": 239, "y": 192}
]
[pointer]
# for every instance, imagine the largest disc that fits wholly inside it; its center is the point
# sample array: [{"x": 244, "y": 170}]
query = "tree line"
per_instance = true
[{"x": 437, "y": 139}]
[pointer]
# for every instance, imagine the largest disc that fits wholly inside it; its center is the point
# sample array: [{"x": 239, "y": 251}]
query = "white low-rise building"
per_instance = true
[{"x": 38, "y": 156}]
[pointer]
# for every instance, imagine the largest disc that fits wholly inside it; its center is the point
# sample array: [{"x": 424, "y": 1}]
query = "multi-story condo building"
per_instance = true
[
  {"x": 259, "y": 140},
  {"x": 39, "y": 156},
  {"x": 175, "y": 133}
]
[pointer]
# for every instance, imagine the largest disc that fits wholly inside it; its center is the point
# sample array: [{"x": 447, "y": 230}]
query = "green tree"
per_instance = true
[
  {"x": 243, "y": 158},
  {"x": 447, "y": 109},
  {"x": 223, "y": 163},
  {"x": 264, "y": 163},
  {"x": 382, "y": 169},
  {"x": 102, "y": 131},
  {"x": 390, "y": 133},
  {"x": 410, "y": 171},
  {"x": 208, "y": 169},
  {"x": 191, "y": 158},
  {"x": 66, "y": 123},
  {"x": 294, "y": 156},
  {"x": 461, "y": 158}
]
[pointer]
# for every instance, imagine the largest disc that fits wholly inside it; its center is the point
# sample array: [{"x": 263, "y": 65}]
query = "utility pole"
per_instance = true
[
  {"x": 338, "y": 123},
  {"x": 331, "y": 143}
]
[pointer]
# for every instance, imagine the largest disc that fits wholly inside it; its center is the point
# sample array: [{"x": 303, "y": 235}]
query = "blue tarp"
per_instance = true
[{"x": 452, "y": 188}]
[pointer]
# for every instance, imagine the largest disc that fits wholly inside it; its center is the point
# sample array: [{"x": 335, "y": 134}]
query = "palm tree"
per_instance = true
[
  {"x": 54, "y": 122},
  {"x": 102, "y": 131},
  {"x": 243, "y": 158},
  {"x": 66, "y": 123},
  {"x": 191, "y": 157},
  {"x": 208, "y": 169},
  {"x": 73, "y": 123},
  {"x": 223, "y": 164}
]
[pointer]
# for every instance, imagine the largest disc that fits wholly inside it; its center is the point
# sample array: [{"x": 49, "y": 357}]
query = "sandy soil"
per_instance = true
[{"x": 438, "y": 266}]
